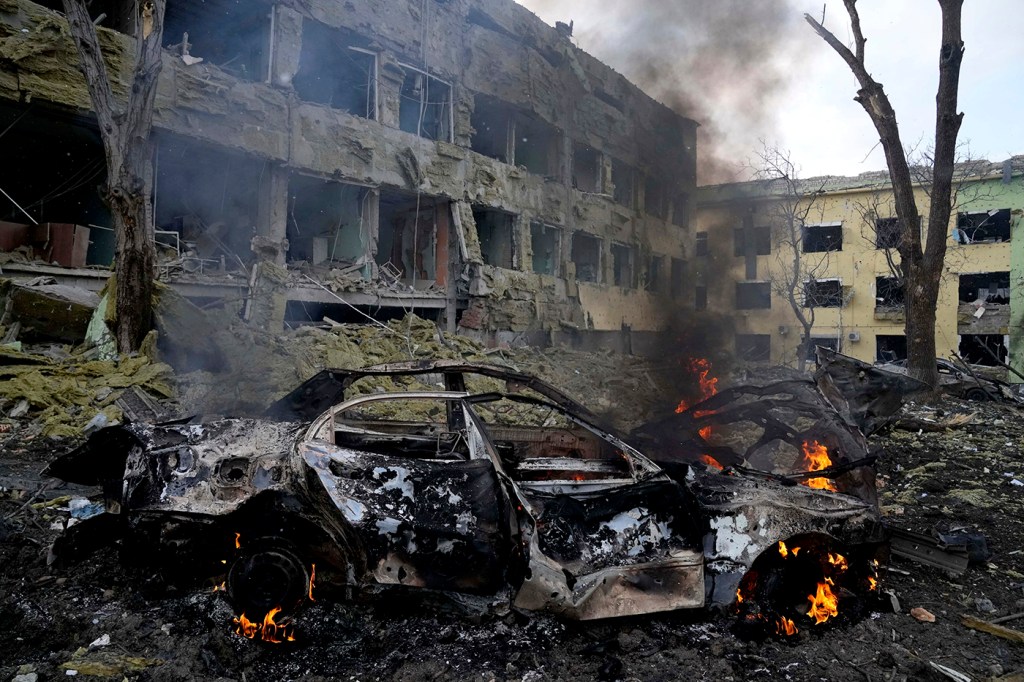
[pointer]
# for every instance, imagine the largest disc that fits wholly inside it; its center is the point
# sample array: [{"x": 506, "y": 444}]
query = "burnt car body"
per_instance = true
[
  {"x": 505, "y": 489},
  {"x": 970, "y": 384}
]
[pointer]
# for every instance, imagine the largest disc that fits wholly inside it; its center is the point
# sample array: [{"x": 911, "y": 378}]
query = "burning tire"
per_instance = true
[{"x": 267, "y": 576}]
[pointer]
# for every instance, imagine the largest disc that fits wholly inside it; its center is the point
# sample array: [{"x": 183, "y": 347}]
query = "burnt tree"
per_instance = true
[
  {"x": 125, "y": 128},
  {"x": 920, "y": 264}
]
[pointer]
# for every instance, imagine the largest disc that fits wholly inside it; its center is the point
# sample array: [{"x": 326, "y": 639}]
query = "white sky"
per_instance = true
[{"x": 818, "y": 121}]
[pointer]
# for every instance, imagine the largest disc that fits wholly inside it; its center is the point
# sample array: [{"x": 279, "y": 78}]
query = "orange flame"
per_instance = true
[
  {"x": 824, "y": 604},
  {"x": 708, "y": 385},
  {"x": 709, "y": 460},
  {"x": 839, "y": 561},
  {"x": 785, "y": 626},
  {"x": 782, "y": 549},
  {"x": 219, "y": 588},
  {"x": 269, "y": 630},
  {"x": 739, "y": 596},
  {"x": 872, "y": 583},
  {"x": 312, "y": 577},
  {"x": 238, "y": 538},
  {"x": 816, "y": 458}
]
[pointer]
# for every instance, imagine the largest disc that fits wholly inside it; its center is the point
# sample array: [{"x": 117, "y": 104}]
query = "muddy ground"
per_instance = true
[{"x": 971, "y": 477}]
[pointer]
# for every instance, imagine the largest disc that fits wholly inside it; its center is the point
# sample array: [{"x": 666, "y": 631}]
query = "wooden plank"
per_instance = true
[{"x": 993, "y": 629}]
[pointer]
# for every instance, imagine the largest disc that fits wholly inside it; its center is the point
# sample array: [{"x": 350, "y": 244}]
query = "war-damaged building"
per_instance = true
[{"x": 459, "y": 158}]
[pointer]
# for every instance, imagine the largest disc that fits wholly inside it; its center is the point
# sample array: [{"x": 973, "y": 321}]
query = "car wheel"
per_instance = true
[
  {"x": 267, "y": 575},
  {"x": 976, "y": 393}
]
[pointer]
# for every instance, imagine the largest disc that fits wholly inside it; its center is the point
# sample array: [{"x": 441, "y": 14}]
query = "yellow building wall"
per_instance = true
[{"x": 857, "y": 266}]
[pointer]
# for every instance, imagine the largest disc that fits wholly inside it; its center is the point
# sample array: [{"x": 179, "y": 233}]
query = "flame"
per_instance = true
[
  {"x": 220, "y": 588},
  {"x": 872, "y": 583},
  {"x": 238, "y": 538},
  {"x": 785, "y": 626},
  {"x": 708, "y": 385},
  {"x": 824, "y": 604},
  {"x": 312, "y": 577},
  {"x": 708, "y": 459},
  {"x": 739, "y": 596},
  {"x": 269, "y": 630},
  {"x": 782, "y": 549},
  {"x": 816, "y": 458},
  {"x": 839, "y": 561}
]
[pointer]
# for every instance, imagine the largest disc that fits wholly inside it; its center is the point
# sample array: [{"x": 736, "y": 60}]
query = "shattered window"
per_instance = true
[
  {"x": 986, "y": 226},
  {"x": 334, "y": 72},
  {"x": 196, "y": 32},
  {"x": 586, "y": 254},
  {"x": 753, "y": 295},
  {"x": 652, "y": 282},
  {"x": 830, "y": 342},
  {"x": 546, "y": 241},
  {"x": 752, "y": 241},
  {"x": 681, "y": 210},
  {"x": 425, "y": 108},
  {"x": 988, "y": 350},
  {"x": 398, "y": 426},
  {"x": 622, "y": 265},
  {"x": 753, "y": 348},
  {"x": 537, "y": 146},
  {"x": 987, "y": 287},
  {"x": 623, "y": 177},
  {"x": 678, "y": 275},
  {"x": 701, "y": 244},
  {"x": 823, "y": 237},
  {"x": 655, "y": 197},
  {"x": 823, "y": 293},
  {"x": 890, "y": 347},
  {"x": 491, "y": 120},
  {"x": 586, "y": 168},
  {"x": 888, "y": 293},
  {"x": 496, "y": 232},
  {"x": 888, "y": 233}
]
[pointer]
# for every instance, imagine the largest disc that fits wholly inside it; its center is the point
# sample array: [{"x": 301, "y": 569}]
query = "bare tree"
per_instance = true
[
  {"x": 795, "y": 274},
  {"x": 921, "y": 264},
  {"x": 125, "y": 128}
]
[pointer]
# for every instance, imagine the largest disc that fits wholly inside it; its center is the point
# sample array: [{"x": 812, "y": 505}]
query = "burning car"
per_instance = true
[{"x": 491, "y": 484}]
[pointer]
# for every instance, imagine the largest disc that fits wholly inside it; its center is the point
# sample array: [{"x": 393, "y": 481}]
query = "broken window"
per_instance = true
[
  {"x": 753, "y": 295},
  {"x": 989, "y": 350},
  {"x": 495, "y": 229},
  {"x": 752, "y": 241},
  {"x": 298, "y": 313},
  {"x": 425, "y": 108},
  {"x": 823, "y": 237},
  {"x": 823, "y": 293},
  {"x": 622, "y": 265},
  {"x": 325, "y": 222},
  {"x": 537, "y": 145},
  {"x": 830, "y": 342},
  {"x": 890, "y": 347},
  {"x": 681, "y": 210},
  {"x": 546, "y": 242},
  {"x": 334, "y": 71},
  {"x": 586, "y": 254},
  {"x": 888, "y": 293},
  {"x": 234, "y": 36},
  {"x": 209, "y": 197},
  {"x": 701, "y": 244},
  {"x": 986, "y": 226},
  {"x": 888, "y": 233},
  {"x": 413, "y": 243},
  {"x": 116, "y": 15},
  {"x": 753, "y": 348},
  {"x": 623, "y": 177},
  {"x": 678, "y": 275},
  {"x": 586, "y": 168},
  {"x": 654, "y": 268},
  {"x": 491, "y": 121},
  {"x": 987, "y": 287},
  {"x": 655, "y": 197}
]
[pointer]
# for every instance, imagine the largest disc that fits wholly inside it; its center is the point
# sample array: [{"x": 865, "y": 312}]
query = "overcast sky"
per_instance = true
[{"x": 810, "y": 111}]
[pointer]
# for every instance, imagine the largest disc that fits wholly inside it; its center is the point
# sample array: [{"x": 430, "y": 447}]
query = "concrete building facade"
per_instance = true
[
  {"x": 459, "y": 158},
  {"x": 848, "y": 265}
]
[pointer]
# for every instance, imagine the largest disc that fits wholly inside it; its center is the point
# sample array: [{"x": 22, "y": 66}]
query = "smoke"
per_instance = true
[{"x": 728, "y": 64}]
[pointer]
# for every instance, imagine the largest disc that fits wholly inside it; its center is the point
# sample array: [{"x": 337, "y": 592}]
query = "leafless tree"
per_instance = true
[
  {"x": 125, "y": 125},
  {"x": 794, "y": 274},
  {"x": 920, "y": 263}
]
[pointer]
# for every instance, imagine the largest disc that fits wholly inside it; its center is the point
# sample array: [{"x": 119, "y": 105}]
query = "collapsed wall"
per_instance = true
[{"x": 461, "y": 159}]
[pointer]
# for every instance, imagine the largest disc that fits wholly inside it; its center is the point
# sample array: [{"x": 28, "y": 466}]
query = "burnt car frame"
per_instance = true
[{"x": 558, "y": 513}]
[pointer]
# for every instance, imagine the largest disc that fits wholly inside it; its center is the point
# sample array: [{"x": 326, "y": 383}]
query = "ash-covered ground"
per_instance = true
[{"x": 107, "y": 616}]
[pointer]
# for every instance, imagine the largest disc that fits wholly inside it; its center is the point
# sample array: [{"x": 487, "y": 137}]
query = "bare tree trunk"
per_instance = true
[
  {"x": 921, "y": 267},
  {"x": 125, "y": 133}
]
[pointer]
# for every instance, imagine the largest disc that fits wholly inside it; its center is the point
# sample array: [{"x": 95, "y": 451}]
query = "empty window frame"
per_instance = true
[
  {"x": 655, "y": 197},
  {"x": 984, "y": 349},
  {"x": 753, "y": 295},
  {"x": 888, "y": 293},
  {"x": 496, "y": 230},
  {"x": 823, "y": 237},
  {"x": 986, "y": 226},
  {"x": 586, "y": 168},
  {"x": 681, "y": 210},
  {"x": 325, "y": 221},
  {"x": 890, "y": 347},
  {"x": 546, "y": 243},
  {"x": 823, "y": 293},
  {"x": 334, "y": 72},
  {"x": 411, "y": 242},
  {"x": 116, "y": 15},
  {"x": 652, "y": 280},
  {"x": 752, "y": 241},
  {"x": 586, "y": 255},
  {"x": 830, "y": 342},
  {"x": 987, "y": 287},
  {"x": 425, "y": 108},
  {"x": 199, "y": 30},
  {"x": 677, "y": 277},
  {"x": 537, "y": 146},
  {"x": 700, "y": 244},
  {"x": 624, "y": 180},
  {"x": 622, "y": 265},
  {"x": 888, "y": 233},
  {"x": 492, "y": 127},
  {"x": 755, "y": 348}
]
